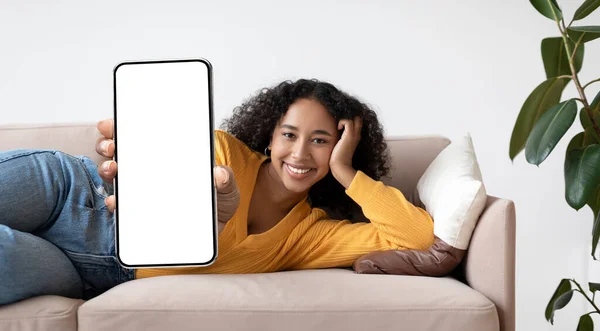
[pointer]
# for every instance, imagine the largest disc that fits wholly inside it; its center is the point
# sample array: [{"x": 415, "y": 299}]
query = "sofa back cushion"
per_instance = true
[
  {"x": 410, "y": 155},
  {"x": 74, "y": 139}
]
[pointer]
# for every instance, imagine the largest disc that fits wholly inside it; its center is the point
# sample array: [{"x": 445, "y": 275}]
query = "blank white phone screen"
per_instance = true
[{"x": 165, "y": 213}]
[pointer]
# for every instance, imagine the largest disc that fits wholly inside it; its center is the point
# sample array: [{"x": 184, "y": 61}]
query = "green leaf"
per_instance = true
[
  {"x": 544, "y": 96},
  {"x": 585, "y": 119},
  {"x": 556, "y": 60},
  {"x": 583, "y": 34},
  {"x": 582, "y": 175},
  {"x": 595, "y": 105},
  {"x": 548, "y": 131},
  {"x": 563, "y": 300},
  {"x": 576, "y": 142},
  {"x": 585, "y": 9},
  {"x": 548, "y": 8},
  {"x": 590, "y": 137},
  {"x": 563, "y": 289},
  {"x": 585, "y": 323},
  {"x": 595, "y": 235},
  {"x": 594, "y": 201},
  {"x": 594, "y": 287},
  {"x": 586, "y": 123}
]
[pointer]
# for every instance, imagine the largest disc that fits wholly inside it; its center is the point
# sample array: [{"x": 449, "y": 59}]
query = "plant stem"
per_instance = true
[
  {"x": 575, "y": 49},
  {"x": 586, "y": 105},
  {"x": 585, "y": 295},
  {"x": 564, "y": 28},
  {"x": 576, "y": 46},
  {"x": 595, "y": 80}
]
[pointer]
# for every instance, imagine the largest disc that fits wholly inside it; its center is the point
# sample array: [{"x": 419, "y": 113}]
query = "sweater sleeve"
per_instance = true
[
  {"x": 222, "y": 150},
  {"x": 396, "y": 219},
  {"x": 395, "y": 224},
  {"x": 231, "y": 152}
]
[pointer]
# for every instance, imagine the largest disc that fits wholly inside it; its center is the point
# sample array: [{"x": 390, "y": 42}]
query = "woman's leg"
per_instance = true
[
  {"x": 32, "y": 191},
  {"x": 31, "y": 266},
  {"x": 60, "y": 198}
]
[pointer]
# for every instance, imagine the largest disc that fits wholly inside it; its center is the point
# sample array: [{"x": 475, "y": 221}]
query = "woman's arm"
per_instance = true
[
  {"x": 395, "y": 224},
  {"x": 395, "y": 218}
]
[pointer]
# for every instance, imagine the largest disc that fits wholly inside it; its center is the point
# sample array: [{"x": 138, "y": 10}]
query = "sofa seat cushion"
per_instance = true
[
  {"x": 40, "y": 313},
  {"x": 332, "y": 299}
]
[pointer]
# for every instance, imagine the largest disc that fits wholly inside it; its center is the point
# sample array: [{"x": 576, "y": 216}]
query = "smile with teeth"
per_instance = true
[{"x": 298, "y": 171}]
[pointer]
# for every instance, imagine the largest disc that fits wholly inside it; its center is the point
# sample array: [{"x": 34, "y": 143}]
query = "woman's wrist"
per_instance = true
[{"x": 343, "y": 174}]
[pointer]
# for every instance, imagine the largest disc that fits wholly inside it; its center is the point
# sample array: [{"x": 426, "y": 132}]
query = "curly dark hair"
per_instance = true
[{"x": 255, "y": 120}]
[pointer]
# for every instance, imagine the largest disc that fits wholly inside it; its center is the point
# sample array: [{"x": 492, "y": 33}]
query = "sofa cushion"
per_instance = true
[
  {"x": 328, "y": 299},
  {"x": 436, "y": 261},
  {"x": 452, "y": 191},
  {"x": 40, "y": 313}
]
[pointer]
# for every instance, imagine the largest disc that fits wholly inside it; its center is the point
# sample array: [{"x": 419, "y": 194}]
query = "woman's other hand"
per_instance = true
[
  {"x": 228, "y": 194},
  {"x": 340, "y": 161}
]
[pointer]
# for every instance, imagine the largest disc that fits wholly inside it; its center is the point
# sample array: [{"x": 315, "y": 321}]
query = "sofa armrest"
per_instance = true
[{"x": 489, "y": 266}]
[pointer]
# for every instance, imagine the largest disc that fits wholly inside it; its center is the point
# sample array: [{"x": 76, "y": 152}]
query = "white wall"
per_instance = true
[{"x": 427, "y": 66}]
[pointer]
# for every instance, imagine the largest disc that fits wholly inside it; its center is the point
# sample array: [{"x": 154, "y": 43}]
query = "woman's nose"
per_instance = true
[{"x": 300, "y": 150}]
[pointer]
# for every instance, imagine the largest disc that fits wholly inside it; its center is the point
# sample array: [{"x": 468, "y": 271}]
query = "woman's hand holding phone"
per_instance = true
[{"x": 228, "y": 194}]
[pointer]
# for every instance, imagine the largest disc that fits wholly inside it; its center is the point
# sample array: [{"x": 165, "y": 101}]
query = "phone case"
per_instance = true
[{"x": 164, "y": 148}]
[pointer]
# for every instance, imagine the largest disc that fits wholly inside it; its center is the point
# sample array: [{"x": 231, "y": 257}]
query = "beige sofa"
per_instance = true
[{"x": 479, "y": 296}]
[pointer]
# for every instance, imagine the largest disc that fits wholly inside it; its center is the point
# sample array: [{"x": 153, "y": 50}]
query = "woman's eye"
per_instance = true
[{"x": 291, "y": 135}]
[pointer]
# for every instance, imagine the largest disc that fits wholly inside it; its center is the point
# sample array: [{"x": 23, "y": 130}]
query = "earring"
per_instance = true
[{"x": 266, "y": 149}]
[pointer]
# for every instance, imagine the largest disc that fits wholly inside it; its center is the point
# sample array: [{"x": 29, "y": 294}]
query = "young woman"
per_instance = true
[{"x": 292, "y": 155}]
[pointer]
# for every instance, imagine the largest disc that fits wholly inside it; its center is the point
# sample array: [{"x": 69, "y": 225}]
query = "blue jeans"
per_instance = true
[{"x": 57, "y": 237}]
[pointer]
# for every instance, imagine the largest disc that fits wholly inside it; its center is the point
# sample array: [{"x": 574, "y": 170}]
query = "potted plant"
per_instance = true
[{"x": 544, "y": 120}]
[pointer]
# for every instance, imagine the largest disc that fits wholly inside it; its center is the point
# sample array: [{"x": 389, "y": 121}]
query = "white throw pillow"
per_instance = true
[{"x": 453, "y": 193}]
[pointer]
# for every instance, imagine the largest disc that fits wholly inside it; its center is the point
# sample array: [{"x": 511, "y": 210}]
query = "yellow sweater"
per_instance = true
[{"x": 307, "y": 237}]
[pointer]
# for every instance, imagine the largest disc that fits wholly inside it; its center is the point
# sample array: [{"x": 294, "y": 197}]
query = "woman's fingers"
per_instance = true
[
  {"x": 111, "y": 203},
  {"x": 358, "y": 125},
  {"x": 108, "y": 170},
  {"x": 106, "y": 128},
  {"x": 228, "y": 193},
  {"x": 105, "y": 147},
  {"x": 351, "y": 127},
  {"x": 224, "y": 179}
]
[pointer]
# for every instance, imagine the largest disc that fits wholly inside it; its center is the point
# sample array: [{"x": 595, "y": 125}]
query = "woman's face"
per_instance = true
[{"x": 302, "y": 144}]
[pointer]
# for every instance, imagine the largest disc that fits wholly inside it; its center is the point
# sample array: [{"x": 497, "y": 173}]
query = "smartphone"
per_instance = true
[{"x": 165, "y": 194}]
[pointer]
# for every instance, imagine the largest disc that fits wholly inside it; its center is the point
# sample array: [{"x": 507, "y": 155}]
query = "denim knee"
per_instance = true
[{"x": 31, "y": 266}]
